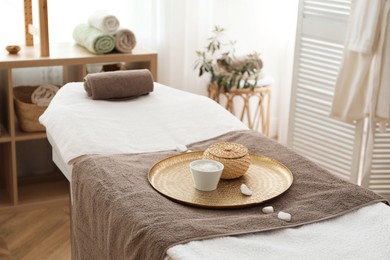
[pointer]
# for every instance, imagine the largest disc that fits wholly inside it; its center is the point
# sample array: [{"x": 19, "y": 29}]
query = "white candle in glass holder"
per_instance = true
[{"x": 206, "y": 174}]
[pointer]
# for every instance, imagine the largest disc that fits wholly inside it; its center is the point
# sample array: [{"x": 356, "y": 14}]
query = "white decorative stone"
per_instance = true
[
  {"x": 268, "y": 210},
  {"x": 181, "y": 148},
  {"x": 284, "y": 216},
  {"x": 245, "y": 190}
]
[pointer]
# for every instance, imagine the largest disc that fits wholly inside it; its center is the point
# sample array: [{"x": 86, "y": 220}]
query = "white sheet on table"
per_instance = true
[
  {"x": 160, "y": 121},
  {"x": 361, "y": 234}
]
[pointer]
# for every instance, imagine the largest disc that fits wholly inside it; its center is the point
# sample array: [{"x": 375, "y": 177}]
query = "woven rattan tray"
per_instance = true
[{"x": 266, "y": 178}]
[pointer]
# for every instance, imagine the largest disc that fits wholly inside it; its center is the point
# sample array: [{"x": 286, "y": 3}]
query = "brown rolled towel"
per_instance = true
[
  {"x": 118, "y": 84},
  {"x": 125, "y": 40}
]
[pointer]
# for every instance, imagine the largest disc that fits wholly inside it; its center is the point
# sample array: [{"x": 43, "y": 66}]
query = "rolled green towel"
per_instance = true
[{"x": 93, "y": 40}]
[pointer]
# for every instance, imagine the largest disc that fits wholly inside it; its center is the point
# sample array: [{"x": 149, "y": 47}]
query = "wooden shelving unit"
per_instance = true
[{"x": 15, "y": 190}]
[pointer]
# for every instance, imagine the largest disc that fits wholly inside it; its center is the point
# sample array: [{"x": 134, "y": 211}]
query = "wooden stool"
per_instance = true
[{"x": 262, "y": 109}]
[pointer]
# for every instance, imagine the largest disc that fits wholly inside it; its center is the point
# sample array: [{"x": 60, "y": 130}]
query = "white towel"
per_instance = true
[
  {"x": 104, "y": 21},
  {"x": 361, "y": 234},
  {"x": 141, "y": 131},
  {"x": 124, "y": 40},
  {"x": 44, "y": 94}
]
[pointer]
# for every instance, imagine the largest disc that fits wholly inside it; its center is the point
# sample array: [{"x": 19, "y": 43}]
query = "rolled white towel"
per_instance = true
[
  {"x": 44, "y": 94},
  {"x": 125, "y": 40},
  {"x": 104, "y": 21}
]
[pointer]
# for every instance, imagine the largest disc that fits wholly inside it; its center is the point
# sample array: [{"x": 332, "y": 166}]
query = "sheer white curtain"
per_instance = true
[
  {"x": 182, "y": 26},
  {"x": 175, "y": 29}
]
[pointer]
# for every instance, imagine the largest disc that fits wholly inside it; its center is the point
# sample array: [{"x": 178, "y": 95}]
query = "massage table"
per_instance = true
[{"x": 170, "y": 122}]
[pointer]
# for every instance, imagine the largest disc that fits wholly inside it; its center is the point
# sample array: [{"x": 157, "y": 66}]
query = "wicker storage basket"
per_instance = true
[
  {"x": 233, "y": 156},
  {"x": 27, "y": 112}
]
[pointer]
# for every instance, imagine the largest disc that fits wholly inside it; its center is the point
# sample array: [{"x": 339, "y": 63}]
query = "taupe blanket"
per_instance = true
[{"x": 118, "y": 215}]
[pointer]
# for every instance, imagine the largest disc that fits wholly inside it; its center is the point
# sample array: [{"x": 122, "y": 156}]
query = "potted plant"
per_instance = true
[{"x": 227, "y": 70}]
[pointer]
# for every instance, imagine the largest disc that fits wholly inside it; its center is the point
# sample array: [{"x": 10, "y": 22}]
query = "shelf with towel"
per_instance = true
[{"x": 17, "y": 191}]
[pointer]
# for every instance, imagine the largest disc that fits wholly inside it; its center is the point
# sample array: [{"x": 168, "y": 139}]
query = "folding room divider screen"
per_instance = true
[{"x": 335, "y": 145}]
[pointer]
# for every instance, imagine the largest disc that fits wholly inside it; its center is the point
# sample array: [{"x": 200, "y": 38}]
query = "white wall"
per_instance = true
[{"x": 267, "y": 27}]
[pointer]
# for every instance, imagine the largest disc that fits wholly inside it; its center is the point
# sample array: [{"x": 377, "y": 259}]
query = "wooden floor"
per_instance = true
[{"x": 41, "y": 233}]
